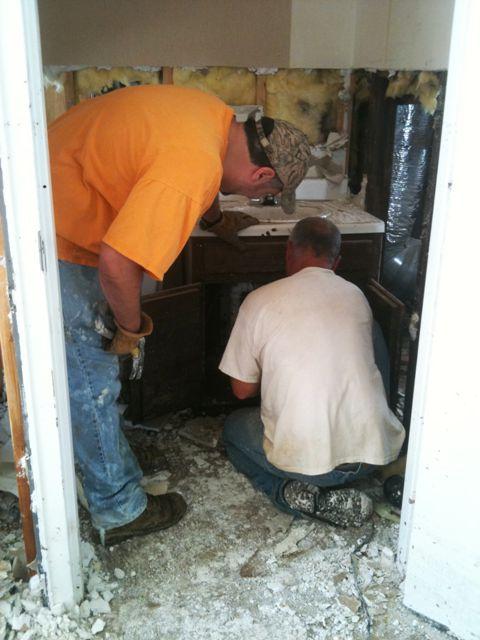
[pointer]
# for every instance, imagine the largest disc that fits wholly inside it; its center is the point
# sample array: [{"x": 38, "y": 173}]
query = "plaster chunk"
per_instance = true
[
  {"x": 99, "y": 606},
  {"x": 98, "y": 626}
]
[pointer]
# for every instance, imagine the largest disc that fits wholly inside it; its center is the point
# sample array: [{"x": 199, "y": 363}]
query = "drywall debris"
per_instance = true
[
  {"x": 119, "y": 573},
  {"x": 351, "y": 603},
  {"x": 385, "y": 510},
  {"x": 204, "y": 431},
  {"x": 99, "y": 605},
  {"x": 278, "y": 523},
  {"x": 289, "y": 544},
  {"x": 234, "y": 86},
  {"x": 23, "y": 614},
  {"x": 98, "y": 626}
]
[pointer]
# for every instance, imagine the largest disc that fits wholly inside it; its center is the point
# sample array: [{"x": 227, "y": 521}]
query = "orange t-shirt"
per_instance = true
[{"x": 135, "y": 169}]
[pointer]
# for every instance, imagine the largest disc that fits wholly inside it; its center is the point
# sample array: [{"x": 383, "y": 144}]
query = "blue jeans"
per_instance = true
[
  {"x": 243, "y": 439},
  {"x": 110, "y": 472}
]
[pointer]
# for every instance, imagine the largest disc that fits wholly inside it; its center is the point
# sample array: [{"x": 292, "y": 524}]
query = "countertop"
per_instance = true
[{"x": 274, "y": 222}]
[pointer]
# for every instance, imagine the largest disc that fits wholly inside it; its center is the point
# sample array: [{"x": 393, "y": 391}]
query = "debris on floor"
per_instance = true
[
  {"x": 233, "y": 568},
  {"x": 23, "y": 614},
  {"x": 204, "y": 431}
]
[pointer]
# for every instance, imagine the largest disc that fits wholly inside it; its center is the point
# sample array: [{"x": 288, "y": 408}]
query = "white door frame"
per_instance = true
[
  {"x": 35, "y": 302},
  {"x": 439, "y": 548}
]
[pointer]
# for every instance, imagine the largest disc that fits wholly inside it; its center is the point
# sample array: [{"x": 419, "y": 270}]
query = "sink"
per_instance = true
[
  {"x": 275, "y": 214},
  {"x": 274, "y": 222}
]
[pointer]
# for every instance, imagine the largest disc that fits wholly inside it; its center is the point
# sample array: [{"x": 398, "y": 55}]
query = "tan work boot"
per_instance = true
[{"x": 161, "y": 512}]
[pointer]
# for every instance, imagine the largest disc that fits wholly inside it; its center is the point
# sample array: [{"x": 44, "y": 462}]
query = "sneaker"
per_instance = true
[
  {"x": 342, "y": 507},
  {"x": 162, "y": 512}
]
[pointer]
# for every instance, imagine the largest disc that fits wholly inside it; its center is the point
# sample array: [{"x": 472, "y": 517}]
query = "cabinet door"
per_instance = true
[
  {"x": 173, "y": 374},
  {"x": 388, "y": 311}
]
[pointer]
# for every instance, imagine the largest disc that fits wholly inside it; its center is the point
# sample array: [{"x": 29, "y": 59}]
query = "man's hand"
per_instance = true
[
  {"x": 126, "y": 342},
  {"x": 228, "y": 225},
  {"x": 121, "y": 280}
]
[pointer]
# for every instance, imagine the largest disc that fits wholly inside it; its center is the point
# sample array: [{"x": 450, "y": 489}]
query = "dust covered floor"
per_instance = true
[{"x": 235, "y": 568}]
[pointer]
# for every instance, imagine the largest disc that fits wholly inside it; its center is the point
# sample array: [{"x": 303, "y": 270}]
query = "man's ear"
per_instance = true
[{"x": 262, "y": 174}]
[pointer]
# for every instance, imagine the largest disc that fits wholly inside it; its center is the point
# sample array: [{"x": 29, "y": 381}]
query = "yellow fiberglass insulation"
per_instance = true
[
  {"x": 424, "y": 85},
  {"x": 233, "y": 86},
  {"x": 92, "y": 81},
  {"x": 303, "y": 97}
]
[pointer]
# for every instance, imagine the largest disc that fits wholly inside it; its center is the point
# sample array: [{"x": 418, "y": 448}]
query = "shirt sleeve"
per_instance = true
[
  {"x": 153, "y": 225},
  {"x": 240, "y": 360}
]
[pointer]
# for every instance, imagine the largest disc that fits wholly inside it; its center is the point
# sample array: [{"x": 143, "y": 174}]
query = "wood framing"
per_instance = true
[
  {"x": 60, "y": 97},
  {"x": 167, "y": 75},
  {"x": 12, "y": 386},
  {"x": 261, "y": 90}
]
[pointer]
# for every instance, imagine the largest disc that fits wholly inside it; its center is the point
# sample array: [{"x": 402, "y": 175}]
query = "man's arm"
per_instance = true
[
  {"x": 121, "y": 280},
  {"x": 243, "y": 390}
]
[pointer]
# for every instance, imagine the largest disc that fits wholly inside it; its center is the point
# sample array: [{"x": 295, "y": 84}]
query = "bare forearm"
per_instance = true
[
  {"x": 243, "y": 390},
  {"x": 121, "y": 280}
]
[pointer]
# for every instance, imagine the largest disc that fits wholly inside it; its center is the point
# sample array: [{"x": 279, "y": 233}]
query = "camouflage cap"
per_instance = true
[{"x": 289, "y": 153}]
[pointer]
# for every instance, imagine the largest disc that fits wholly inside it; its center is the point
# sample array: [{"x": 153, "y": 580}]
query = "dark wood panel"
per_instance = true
[
  {"x": 210, "y": 260},
  {"x": 388, "y": 311},
  {"x": 173, "y": 375}
]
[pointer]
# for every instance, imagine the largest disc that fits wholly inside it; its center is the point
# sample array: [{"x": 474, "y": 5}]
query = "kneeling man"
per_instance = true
[{"x": 305, "y": 343}]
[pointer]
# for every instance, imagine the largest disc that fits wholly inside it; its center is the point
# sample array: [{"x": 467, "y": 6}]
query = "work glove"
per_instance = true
[
  {"x": 126, "y": 342},
  {"x": 228, "y": 226}
]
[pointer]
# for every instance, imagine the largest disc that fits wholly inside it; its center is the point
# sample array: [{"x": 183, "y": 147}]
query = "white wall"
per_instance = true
[
  {"x": 440, "y": 530},
  {"x": 322, "y": 34},
  {"x": 378, "y": 34}
]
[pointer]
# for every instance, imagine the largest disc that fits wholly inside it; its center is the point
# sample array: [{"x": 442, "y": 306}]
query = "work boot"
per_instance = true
[
  {"x": 341, "y": 507},
  {"x": 161, "y": 512},
  {"x": 150, "y": 457}
]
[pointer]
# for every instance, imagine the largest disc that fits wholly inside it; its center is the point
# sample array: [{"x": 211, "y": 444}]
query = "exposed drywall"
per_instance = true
[
  {"x": 234, "y": 86},
  {"x": 302, "y": 97},
  {"x": 322, "y": 34},
  {"x": 371, "y": 34},
  {"x": 402, "y": 34},
  {"x": 379, "y": 34},
  {"x": 419, "y": 34},
  {"x": 170, "y": 32}
]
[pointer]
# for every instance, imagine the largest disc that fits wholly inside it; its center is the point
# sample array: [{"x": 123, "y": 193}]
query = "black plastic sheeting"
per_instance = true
[{"x": 411, "y": 155}]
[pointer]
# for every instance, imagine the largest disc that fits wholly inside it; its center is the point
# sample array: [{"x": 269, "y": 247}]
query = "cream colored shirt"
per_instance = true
[{"x": 308, "y": 339}]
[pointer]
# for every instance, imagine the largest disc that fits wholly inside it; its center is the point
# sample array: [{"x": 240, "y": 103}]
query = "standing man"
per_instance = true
[
  {"x": 132, "y": 173},
  {"x": 305, "y": 343}
]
